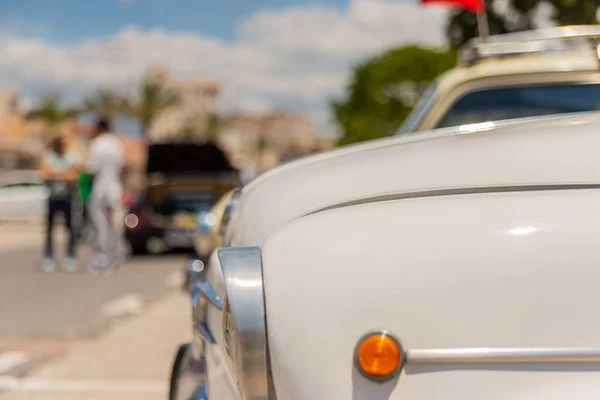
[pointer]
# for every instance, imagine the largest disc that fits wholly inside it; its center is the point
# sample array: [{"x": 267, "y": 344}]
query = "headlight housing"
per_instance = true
[
  {"x": 244, "y": 325},
  {"x": 226, "y": 218}
]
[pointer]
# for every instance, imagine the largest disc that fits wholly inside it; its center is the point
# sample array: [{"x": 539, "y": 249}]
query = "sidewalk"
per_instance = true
[
  {"x": 132, "y": 360},
  {"x": 16, "y": 235}
]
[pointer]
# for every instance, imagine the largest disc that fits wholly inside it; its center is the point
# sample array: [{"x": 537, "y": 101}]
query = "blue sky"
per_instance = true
[
  {"x": 267, "y": 54},
  {"x": 68, "y": 21}
]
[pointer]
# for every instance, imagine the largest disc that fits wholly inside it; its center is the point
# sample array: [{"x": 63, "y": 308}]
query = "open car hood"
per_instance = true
[
  {"x": 174, "y": 168},
  {"x": 187, "y": 159}
]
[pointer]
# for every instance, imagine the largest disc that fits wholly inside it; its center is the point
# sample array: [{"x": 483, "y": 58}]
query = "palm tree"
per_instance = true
[
  {"x": 262, "y": 145},
  {"x": 214, "y": 125},
  {"x": 106, "y": 103},
  {"x": 188, "y": 131},
  {"x": 51, "y": 111},
  {"x": 153, "y": 100}
]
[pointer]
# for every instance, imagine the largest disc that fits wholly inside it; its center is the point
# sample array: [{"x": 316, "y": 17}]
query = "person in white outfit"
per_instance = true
[{"x": 105, "y": 163}]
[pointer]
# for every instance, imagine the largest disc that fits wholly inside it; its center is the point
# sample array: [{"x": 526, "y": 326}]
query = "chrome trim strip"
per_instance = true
[
  {"x": 201, "y": 394},
  {"x": 244, "y": 325},
  {"x": 456, "y": 192},
  {"x": 209, "y": 294},
  {"x": 485, "y": 355},
  {"x": 201, "y": 329},
  {"x": 533, "y": 41}
]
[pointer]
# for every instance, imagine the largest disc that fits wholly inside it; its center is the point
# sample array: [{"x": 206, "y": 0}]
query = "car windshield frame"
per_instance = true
[{"x": 421, "y": 110}]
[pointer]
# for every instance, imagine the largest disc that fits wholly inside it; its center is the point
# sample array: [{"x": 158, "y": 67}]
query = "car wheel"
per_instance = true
[
  {"x": 187, "y": 376},
  {"x": 173, "y": 384},
  {"x": 135, "y": 249},
  {"x": 155, "y": 245}
]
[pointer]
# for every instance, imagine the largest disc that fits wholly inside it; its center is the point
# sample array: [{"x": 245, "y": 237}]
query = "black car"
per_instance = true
[{"x": 184, "y": 180}]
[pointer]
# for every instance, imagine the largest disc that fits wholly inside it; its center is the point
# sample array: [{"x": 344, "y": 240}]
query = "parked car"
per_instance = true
[
  {"x": 429, "y": 265},
  {"x": 514, "y": 76},
  {"x": 211, "y": 226},
  {"x": 23, "y": 197},
  {"x": 184, "y": 180},
  {"x": 442, "y": 277}
]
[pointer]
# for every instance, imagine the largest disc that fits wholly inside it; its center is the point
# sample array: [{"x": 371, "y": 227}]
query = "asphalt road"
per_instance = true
[{"x": 69, "y": 306}]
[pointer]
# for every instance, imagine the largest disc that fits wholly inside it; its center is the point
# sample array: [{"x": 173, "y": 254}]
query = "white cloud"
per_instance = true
[{"x": 293, "y": 58}]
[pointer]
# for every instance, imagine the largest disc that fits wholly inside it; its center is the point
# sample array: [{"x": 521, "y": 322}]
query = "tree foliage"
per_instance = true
[
  {"x": 106, "y": 103},
  {"x": 462, "y": 25},
  {"x": 575, "y": 12},
  {"x": 51, "y": 110},
  {"x": 383, "y": 90},
  {"x": 378, "y": 98},
  {"x": 152, "y": 100},
  {"x": 214, "y": 125}
]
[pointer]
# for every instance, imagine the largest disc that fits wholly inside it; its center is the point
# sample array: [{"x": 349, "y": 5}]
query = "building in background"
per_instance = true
[
  {"x": 260, "y": 142},
  {"x": 254, "y": 143},
  {"x": 198, "y": 99},
  {"x": 9, "y": 104},
  {"x": 23, "y": 138},
  {"x": 19, "y": 140}
]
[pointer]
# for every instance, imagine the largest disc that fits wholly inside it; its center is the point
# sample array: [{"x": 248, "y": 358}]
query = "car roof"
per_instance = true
[{"x": 581, "y": 60}]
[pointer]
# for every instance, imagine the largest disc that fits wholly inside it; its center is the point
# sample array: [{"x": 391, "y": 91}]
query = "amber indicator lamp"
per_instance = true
[{"x": 379, "y": 356}]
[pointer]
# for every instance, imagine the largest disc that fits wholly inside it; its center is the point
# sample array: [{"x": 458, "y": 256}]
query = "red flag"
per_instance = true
[{"x": 475, "y": 6}]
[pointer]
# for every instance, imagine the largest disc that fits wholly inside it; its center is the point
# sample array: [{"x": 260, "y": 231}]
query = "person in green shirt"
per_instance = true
[{"x": 84, "y": 184}]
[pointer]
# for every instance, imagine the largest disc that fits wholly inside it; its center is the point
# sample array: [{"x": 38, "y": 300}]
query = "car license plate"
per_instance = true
[{"x": 185, "y": 221}]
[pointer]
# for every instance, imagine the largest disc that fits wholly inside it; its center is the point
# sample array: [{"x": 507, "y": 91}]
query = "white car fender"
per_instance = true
[{"x": 512, "y": 270}]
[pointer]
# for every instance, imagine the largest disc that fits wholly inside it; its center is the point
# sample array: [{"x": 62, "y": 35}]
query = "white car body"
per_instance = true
[
  {"x": 475, "y": 247},
  {"x": 23, "y": 197}
]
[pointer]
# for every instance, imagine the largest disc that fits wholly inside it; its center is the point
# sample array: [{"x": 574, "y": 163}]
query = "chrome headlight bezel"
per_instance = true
[
  {"x": 244, "y": 324},
  {"x": 226, "y": 218}
]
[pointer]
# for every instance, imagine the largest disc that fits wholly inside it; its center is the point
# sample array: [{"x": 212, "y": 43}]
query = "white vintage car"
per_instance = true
[
  {"x": 456, "y": 263},
  {"x": 430, "y": 266}
]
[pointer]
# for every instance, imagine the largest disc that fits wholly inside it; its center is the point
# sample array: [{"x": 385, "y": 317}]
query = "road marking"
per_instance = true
[
  {"x": 12, "y": 359},
  {"x": 41, "y": 385},
  {"x": 129, "y": 304}
]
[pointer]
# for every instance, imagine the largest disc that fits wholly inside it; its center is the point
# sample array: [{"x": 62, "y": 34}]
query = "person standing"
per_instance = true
[
  {"x": 85, "y": 189},
  {"x": 105, "y": 165},
  {"x": 58, "y": 169}
]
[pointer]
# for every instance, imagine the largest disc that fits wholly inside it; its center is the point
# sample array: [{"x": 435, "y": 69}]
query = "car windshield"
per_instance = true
[{"x": 520, "y": 102}]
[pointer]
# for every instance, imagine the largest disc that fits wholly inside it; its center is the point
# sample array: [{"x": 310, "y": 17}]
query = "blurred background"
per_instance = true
[{"x": 266, "y": 80}]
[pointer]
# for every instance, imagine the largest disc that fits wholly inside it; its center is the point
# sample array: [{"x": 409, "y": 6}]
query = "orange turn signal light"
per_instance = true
[{"x": 379, "y": 356}]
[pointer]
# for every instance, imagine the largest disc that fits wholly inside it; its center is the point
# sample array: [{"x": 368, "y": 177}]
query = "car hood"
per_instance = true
[{"x": 535, "y": 151}]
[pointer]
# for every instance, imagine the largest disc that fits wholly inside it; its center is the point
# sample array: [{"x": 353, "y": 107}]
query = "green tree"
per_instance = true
[
  {"x": 152, "y": 101},
  {"x": 383, "y": 90},
  {"x": 106, "y": 103},
  {"x": 51, "y": 111},
  {"x": 574, "y": 12},
  {"x": 188, "y": 131},
  {"x": 262, "y": 145},
  {"x": 462, "y": 25},
  {"x": 214, "y": 125}
]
